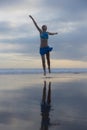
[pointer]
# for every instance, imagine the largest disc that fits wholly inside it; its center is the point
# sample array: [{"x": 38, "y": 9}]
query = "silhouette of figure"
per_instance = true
[
  {"x": 45, "y": 107},
  {"x": 44, "y": 48}
]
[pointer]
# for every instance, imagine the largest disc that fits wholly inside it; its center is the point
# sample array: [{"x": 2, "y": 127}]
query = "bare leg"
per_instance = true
[
  {"x": 43, "y": 64},
  {"x": 48, "y": 61}
]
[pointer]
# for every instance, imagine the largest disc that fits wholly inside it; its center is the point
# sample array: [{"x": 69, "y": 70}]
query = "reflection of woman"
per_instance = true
[
  {"x": 44, "y": 48},
  {"x": 45, "y": 107}
]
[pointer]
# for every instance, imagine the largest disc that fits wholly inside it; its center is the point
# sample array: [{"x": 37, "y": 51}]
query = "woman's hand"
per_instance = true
[{"x": 30, "y": 16}]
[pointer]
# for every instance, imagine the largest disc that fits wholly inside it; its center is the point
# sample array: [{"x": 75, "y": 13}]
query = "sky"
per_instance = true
[{"x": 20, "y": 41}]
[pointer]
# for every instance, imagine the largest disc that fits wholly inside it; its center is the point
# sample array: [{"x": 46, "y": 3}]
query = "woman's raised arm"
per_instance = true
[{"x": 38, "y": 28}]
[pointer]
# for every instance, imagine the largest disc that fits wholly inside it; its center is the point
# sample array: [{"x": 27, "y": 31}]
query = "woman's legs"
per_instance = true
[
  {"x": 48, "y": 61},
  {"x": 43, "y": 64}
]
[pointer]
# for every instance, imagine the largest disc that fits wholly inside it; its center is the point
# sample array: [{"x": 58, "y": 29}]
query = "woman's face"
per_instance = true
[{"x": 44, "y": 27}]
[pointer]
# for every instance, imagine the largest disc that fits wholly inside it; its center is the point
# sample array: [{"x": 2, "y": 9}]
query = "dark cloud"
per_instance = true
[
  {"x": 4, "y": 27},
  {"x": 67, "y": 5},
  {"x": 68, "y": 17},
  {"x": 70, "y": 45},
  {"x": 7, "y": 28},
  {"x": 19, "y": 38},
  {"x": 9, "y": 3},
  {"x": 66, "y": 10}
]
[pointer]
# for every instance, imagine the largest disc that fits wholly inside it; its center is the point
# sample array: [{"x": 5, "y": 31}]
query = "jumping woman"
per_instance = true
[{"x": 44, "y": 48}]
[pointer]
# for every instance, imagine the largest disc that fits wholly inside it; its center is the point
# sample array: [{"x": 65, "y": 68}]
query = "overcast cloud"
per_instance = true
[{"x": 68, "y": 17}]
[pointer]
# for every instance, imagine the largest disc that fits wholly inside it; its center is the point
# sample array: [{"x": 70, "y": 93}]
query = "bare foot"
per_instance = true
[{"x": 44, "y": 73}]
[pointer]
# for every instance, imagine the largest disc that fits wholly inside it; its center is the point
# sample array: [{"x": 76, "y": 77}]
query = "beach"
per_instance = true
[{"x": 21, "y": 100}]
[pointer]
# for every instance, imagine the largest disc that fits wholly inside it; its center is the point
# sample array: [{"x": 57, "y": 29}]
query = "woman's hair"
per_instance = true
[{"x": 44, "y": 27}]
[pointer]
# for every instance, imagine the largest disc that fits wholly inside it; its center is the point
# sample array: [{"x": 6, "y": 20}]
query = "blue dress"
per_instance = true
[{"x": 45, "y": 50}]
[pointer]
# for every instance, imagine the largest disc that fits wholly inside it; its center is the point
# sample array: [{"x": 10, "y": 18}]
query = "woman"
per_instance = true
[{"x": 44, "y": 48}]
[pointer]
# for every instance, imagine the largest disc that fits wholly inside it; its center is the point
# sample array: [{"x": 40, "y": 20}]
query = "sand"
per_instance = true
[{"x": 21, "y": 99}]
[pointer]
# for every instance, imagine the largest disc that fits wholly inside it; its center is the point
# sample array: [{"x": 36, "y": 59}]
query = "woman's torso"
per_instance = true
[{"x": 44, "y": 39}]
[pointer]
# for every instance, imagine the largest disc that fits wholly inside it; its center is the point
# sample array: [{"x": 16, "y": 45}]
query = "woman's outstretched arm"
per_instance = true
[
  {"x": 38, "y": 28},
  {"x": 52, "y": 33}
]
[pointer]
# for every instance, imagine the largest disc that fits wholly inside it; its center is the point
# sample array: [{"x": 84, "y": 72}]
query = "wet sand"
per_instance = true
[{"x": 21, "y": 100}]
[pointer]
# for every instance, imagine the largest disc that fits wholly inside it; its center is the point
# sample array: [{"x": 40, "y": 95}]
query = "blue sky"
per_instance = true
[{"x": 19, "y": 39}]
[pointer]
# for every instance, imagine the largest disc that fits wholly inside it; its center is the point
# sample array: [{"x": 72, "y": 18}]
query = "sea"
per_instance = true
[
  {"x": 22, "y": 91},
  {"x": 39, "y": 70}
]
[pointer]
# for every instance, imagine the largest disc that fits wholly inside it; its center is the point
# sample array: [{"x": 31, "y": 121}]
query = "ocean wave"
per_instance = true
[{"x": 38, "y": 71}]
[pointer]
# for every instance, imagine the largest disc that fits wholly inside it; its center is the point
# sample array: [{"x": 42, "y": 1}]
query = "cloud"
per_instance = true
[
  {"x": 73, "y": 44},
  {"x": 12, "y": 3},
  {"x": 18, "y": 38},
  {"x": 68, "y": 17},
  {"x": 17, "y": 5}
]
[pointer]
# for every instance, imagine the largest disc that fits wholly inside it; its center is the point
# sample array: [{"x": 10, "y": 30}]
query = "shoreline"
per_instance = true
[
  {"x": 21, "y": 96},
  {"x": 40, "y": 71}
]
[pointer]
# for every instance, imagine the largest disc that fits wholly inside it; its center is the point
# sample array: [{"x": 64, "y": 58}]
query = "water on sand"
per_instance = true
[{"x": 21, "y": 99}]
